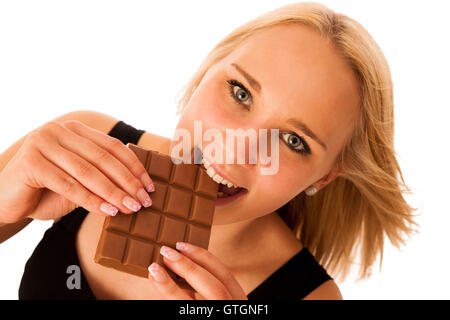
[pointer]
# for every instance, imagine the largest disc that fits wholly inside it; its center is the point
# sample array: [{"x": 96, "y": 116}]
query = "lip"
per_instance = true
[
  {"x": 227, "y": 200},
  {"x": 220, "y": 173}
]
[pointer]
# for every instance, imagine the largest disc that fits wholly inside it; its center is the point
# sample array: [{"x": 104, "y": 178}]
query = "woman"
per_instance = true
[{"x": 315, "y": 75}]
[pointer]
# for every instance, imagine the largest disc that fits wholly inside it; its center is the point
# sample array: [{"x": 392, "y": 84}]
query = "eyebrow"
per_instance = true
[
  {"x": 296, "y": 123},
  {"x": 304, "y": 128},
  {"x": 255, "y": 84}
]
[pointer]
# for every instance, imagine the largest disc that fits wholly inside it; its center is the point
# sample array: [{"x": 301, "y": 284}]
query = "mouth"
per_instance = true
[{"x": 228, "y": 191}]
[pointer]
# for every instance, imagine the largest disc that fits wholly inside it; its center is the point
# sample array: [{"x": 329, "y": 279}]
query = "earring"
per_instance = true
[{"x": 311, "y": 191}]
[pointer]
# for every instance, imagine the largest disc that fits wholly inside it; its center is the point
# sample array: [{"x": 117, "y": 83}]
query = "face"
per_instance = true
[{"x": 298, "y": 77}]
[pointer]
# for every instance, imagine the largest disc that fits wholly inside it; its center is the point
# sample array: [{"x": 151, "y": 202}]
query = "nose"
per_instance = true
[
  {"x": 248, "y": 147},
  {"x": 241, "y": 147}
]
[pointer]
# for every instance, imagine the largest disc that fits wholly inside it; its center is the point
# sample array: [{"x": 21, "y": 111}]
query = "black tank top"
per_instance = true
[{"x": 47, "y": 271}]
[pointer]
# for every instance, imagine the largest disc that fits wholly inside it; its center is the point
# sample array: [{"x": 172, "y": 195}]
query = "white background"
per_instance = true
[{"x": 129, "y": 59}]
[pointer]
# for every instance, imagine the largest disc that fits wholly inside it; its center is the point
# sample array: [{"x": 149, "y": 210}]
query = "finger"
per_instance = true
[
  {"x": 55, "y": 179},
  {"x": 90, "y": 177},
  {"x": 110, "y": 166},
  {"x": 200, "y": 279},
  {"x": 115, "y": 147},
  {"x": 165, "y": 284},
  {"x": 212, "y": 264}
]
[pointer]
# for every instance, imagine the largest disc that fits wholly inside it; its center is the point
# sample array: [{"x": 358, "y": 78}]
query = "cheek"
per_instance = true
[
  {"x": 205, "y": 105},
  {"x": 288, "y": 182},
  {"x": 274, "y": 191},
  {"x": 212, "y": 104}
]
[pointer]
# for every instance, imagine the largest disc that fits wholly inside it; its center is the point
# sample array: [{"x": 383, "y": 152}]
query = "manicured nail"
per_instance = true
[
  {"x": 149, "y": 186},
  {"x": 182, "y": 246},
  {"x": 108, "y": 208},
  {"x": 131, "y": 204},
  {"x": 170, "y": 254},
  {"x": 157, "y": 272},
  {"x": 144, "y": 197}
]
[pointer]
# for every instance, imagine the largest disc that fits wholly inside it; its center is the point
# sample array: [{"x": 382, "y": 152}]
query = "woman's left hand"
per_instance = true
[{"x": 201, "y": 269}]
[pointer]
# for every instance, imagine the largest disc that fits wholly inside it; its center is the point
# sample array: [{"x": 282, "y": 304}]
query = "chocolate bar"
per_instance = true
[{"x": 182, "y": 210}]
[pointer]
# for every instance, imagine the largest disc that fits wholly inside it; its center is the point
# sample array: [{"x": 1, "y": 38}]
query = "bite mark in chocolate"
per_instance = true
[{"x": 182, "y": 210}]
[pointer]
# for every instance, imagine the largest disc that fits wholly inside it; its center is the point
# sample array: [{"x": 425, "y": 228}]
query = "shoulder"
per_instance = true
[
  {"x": 93, "y": 119},
  {"x": 105, "y": 123},
  {"x": 326, "y": 291},
  {"x": 154, "y": 142}
]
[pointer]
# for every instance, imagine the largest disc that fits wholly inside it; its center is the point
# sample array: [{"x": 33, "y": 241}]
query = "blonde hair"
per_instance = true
[{"x": 365, "y": 203}]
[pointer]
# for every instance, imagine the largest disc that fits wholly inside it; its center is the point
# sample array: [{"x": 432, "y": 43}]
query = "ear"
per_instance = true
[{"x": 330, "y": 176}]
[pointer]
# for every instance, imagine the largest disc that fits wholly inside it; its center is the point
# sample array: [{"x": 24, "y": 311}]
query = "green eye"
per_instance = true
[
  {"x": 241, "y": 94},
  {"x": 296, "y": 143}
]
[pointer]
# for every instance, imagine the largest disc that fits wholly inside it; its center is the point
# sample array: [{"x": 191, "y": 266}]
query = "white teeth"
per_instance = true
[
  {"x": 212, "y": 173},
  {"x": 217, "y": 178}
]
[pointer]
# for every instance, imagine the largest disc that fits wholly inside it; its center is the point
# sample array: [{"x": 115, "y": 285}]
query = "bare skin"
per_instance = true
[
  {"x": 259, "y": 264},
  {"x": 303, "y": 77}
]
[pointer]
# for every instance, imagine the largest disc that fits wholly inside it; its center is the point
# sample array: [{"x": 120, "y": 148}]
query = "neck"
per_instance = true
[
  {"x": 231, "y": 242},
  {"x": 228, "y": 238}
]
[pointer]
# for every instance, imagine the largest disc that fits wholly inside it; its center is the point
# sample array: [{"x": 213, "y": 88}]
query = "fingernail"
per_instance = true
[
  {"x": 149, "y": 186},
  {"x": 131, "y": 204},
  {"x": 108, "y": 208},
  {"x": 157, "y": 272},
  {"x": 170, "y": 254},
  {"x": 144, "y": 197},
  {"x": 182, "y": 246}
]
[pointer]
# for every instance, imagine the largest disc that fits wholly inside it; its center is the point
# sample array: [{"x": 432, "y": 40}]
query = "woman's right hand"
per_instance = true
[{"x": 61, "y": 166}]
